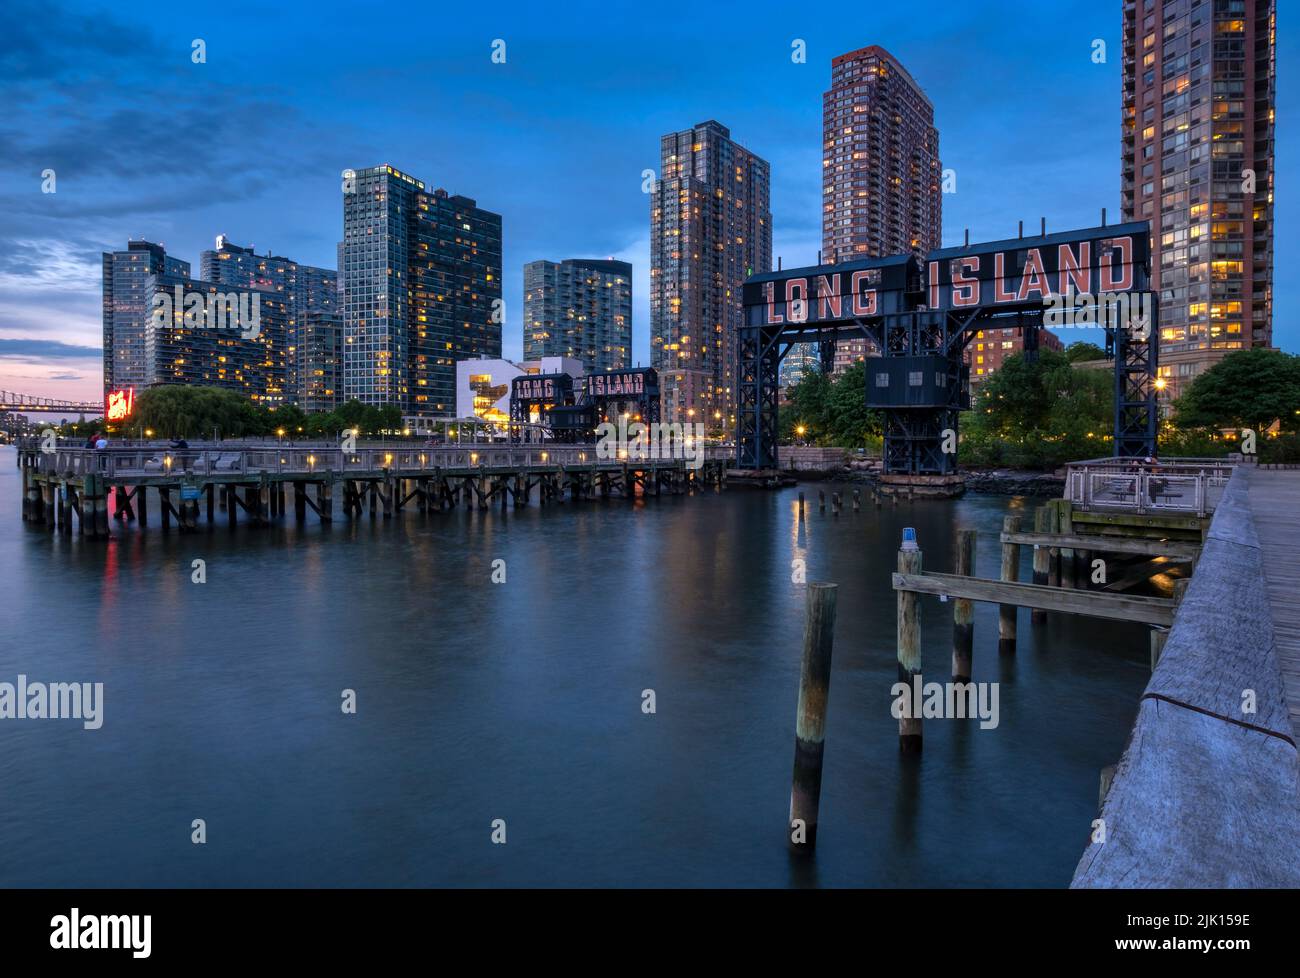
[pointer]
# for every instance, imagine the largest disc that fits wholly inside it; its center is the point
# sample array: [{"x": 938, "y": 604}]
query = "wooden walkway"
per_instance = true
[{"x": 1275, "y": 504}]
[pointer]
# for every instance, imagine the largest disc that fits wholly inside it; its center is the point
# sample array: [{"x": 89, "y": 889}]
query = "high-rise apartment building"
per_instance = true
[
  {"x": 197, "y": 334},
  {"x": 315, "y": 360},
  {"x": 423, "y": 287},
  {"x": 882, "y": 182},
  {"x": 710, "y": 228},
  {"x": 127, "y": 309},
  {"x": 579, "y": 308},
  {"x": 305, "y": 289},
  {"x": 1197, "y": 162}
]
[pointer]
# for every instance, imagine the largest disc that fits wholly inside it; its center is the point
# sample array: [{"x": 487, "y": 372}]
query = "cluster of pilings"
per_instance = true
[{"x": 1062, "y": 582}]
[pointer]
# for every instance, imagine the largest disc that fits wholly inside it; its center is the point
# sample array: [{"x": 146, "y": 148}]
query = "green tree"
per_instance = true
[
  {"x": 833, "y": 411},
  {"x": 1246, "y": 389},
  {"x": 1081, "y": 352},
  {"x": 1039, "y": 414}
]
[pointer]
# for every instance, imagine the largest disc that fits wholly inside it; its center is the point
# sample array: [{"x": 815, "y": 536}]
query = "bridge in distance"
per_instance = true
[{"x": 14, "y": 403}]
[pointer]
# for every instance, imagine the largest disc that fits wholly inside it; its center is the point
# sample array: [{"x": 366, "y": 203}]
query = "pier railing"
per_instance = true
[
  {"x": 1179, "y": 485},
  {"x": 127, "y": 463}
]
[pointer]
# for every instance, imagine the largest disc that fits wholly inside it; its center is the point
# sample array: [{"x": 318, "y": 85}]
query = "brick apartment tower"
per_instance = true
[
  {"x": 1199, "y": 82},
  {"x": 881, "y": 176}
]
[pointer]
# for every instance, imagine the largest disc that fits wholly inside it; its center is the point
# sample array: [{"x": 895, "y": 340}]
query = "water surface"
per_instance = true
[{"x": 522, "y": 701}]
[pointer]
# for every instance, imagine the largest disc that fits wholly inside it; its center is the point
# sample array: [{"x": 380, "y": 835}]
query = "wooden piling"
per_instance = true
[
  {"x": 165, "y": 506},
  {"x": 1158, "y": 638},
  {"x": 65, "y": 510},
  {"x": 212, "y": 503},
  {"x": 1042, "y": 561},
  {"x": 821, "y": 500},
  {"x": 101, "y": 509},
  {"x": 857, "y": 500},
  {"x": 800, "y": 504},
  {"x": 810, "y": 719},
  {"x": 835, "y": 503},
  {"x": 963, "y": 610},
  {"x": 909, "y": 641},
  {"x": 1010, "y": 573},
  {"x": 1054, "y": 553}
]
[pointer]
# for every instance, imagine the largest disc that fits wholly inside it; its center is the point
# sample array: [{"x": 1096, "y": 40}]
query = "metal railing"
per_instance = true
[
  {"x": 1178, "y": 485},
  {"x": 126, "y": 463}
]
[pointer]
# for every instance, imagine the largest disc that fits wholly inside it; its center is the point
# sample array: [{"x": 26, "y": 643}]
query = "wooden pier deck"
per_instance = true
[
  {"x": 1207, "y": 791},
  {"x": 65, "y": 485},
  {"x": 1275, "y": 505}
]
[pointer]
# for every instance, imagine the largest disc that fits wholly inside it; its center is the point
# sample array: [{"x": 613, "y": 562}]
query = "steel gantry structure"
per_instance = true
[{"x": 920, "y": 312}]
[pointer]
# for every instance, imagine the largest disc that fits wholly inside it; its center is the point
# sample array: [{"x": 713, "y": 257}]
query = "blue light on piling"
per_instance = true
[{"x": 909, "y": 538}]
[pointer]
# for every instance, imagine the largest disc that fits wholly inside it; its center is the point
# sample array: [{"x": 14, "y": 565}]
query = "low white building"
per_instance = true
[{"x": 483, "y": 385}]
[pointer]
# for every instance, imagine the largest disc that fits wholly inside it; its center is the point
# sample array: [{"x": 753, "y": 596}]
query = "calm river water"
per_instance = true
[{"x": 522, "y": 701}]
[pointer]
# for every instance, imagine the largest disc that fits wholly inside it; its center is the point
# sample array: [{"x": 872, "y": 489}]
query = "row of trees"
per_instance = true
[
  {"x": 183, "y": 411},
  {"x": 1041, "y": 414}
]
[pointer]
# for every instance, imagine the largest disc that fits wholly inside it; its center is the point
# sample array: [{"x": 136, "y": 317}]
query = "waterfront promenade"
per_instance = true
[{"x": 1206, "y": 793}]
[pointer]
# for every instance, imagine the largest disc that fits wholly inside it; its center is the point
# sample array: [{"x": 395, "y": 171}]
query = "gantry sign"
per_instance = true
[{"x": 920, "y": 314}]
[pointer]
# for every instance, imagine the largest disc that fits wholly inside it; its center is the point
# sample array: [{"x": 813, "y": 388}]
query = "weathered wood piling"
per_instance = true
[
  {"x": 909, "y": 641},
  {"x": 1010, "y": 574},
  {"x": 1042, "y": 561},
  {"x": 810, "y": 719},
  {"x": 963, "y": 610}
]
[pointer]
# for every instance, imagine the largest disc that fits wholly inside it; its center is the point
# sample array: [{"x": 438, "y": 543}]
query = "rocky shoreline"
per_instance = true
[
  {"x": 993, "y": 482},
  {"x": 1012, "y": 482}
]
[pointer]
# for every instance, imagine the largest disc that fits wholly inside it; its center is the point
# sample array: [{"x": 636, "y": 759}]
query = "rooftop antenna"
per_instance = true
[
  {"x": 1022, "y": 229},
  {"x": 968, "y": 237},
  {"x": 1103, "y": 217},
  {"x": 778, "y": 263},
  {"x": 1044, "y": 226}
]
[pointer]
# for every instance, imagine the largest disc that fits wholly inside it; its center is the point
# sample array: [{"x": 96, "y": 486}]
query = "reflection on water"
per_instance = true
[{"x": 522, "y": 701}]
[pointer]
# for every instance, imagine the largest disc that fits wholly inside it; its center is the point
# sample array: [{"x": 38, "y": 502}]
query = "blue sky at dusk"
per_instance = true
[{"x": 251, "y": 144}]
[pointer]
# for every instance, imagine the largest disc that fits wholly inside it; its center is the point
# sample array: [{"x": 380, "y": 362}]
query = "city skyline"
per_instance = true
[{"x": 234, "y": 157}]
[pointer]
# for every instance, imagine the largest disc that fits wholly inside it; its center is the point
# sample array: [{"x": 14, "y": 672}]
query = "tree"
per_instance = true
[
  {"x": 1039, "y": 414},
  {"x": 1246, "y": 389},
  {"x": 1081, "y": 352},
  {"x": 833, "y": 411}
]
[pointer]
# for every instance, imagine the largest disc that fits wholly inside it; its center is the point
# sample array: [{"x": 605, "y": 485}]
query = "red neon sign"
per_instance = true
[{"x": 120, "y": 405}]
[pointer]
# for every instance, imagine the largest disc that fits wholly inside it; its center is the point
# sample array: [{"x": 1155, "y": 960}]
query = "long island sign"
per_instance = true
[{"x": 1052, "y": 271}]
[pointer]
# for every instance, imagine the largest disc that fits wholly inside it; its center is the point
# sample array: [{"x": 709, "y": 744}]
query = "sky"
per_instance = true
[{"x": 144, "y": 142}]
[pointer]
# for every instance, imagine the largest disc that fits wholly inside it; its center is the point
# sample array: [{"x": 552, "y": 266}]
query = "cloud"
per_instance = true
[{"x": 47, "y": 350}]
